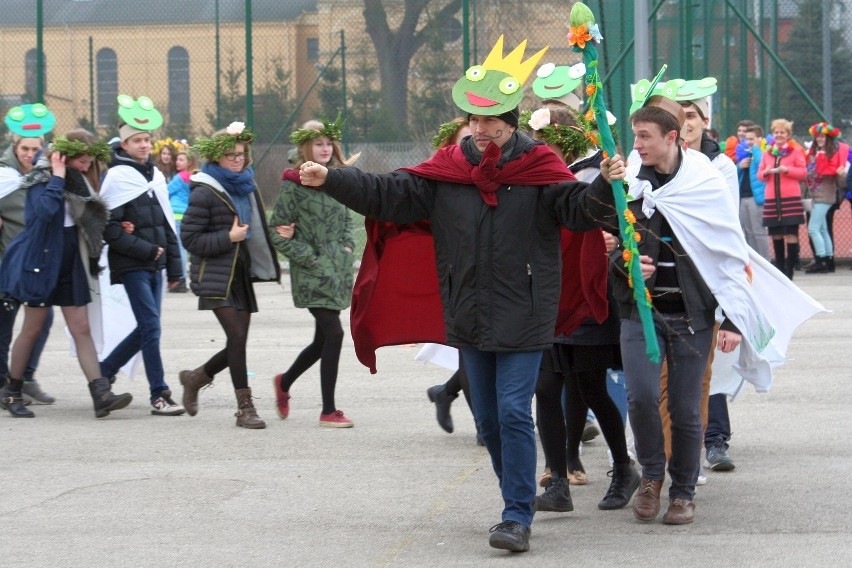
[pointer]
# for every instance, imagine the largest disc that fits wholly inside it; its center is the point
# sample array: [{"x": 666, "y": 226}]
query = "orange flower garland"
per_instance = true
[{"x": 579, "y": 36}]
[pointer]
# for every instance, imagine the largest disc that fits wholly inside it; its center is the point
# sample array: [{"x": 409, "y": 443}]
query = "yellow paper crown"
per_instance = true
[{"x": 512, "y": 63}]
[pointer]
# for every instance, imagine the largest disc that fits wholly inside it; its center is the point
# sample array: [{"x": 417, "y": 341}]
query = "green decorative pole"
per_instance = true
[
  {"x": 91, "y": 83},
  {"x": 583, "y": 34},
  {"x": 218, "y": 74},
  {"x": 249, "y": 75},
  {"x": 39, "y": 52}
]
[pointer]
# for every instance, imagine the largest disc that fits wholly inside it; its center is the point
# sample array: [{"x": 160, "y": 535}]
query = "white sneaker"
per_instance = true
[{"x": 165, "y": 406}]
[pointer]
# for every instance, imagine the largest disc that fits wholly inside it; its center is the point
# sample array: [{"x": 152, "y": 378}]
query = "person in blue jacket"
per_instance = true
[
  {"x": 752, "y": 193},
  {"x": 43, "y": 265}
]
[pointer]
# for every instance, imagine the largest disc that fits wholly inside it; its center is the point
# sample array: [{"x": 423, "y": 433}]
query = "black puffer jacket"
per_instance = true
[
  {"x": 205, "y": 234},
  {"x": 499, "y": 268},
  {"x": 131, "y": 252}
]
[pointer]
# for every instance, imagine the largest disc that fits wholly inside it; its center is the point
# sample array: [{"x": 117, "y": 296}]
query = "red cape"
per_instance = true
[{"x": 396, "y": 299}]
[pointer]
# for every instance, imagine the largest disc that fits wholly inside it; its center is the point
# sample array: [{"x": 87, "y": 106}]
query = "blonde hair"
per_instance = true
[{"x": 782, "y": 123}]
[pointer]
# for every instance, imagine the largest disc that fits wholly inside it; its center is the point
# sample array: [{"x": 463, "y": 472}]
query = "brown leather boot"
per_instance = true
[
  {"x": 246, "y": 414},
  {"x": 646, "y": 504},
  {"x": 681, "y": 512},
  {"x": 192, "y": 382}
]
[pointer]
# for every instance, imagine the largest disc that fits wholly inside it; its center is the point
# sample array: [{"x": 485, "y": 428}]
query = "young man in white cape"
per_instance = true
[
  {"x": 694, "y": 258},
  {"x": 142, "y": 242}
]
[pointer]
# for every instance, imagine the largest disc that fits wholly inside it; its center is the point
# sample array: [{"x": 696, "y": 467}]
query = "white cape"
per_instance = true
[
  {"x": 10, "y": 180},
  {"x": 764, "y": 305},
  {"x": 123, "y": 184}
]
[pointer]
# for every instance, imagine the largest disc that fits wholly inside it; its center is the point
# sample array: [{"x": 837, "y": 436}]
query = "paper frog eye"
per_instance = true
[
  {"x": 545, "y": 70},
  {"x": 576, "y": 71},
  {"x": 39, "y": 110},
  {"x": 707, "y": 82},
  {"x": 509, "y": 85},
  {"x": 145, "y": 103},
  {"x": 475, "y": 73},
  {"x": 641, "y": 89},
  {"x": 16, "y": 113},
  {"x": 125, "y": 101},
  {"x": 669, "y": 89}
]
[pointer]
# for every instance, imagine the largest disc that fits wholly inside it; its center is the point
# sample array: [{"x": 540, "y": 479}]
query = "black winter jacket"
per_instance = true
[
  {"x": 205, "y": 232},
  {"x": 130, "y": 252},
  {"x": 499, "y": 268}
]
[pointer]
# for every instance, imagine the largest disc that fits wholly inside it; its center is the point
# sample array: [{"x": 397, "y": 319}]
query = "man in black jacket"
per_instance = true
[{"x": 142, "y": 242}]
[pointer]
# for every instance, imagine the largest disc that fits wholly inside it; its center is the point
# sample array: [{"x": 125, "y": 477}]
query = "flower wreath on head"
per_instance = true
[
  {"x": 214, "y": 148},
  {"x": 575, "y": 140},
  {"x": 180, "y": 145},
  {"x": 71, "y": 149},
  {"x": 331, "y": 130},
  {"x": 824, "y": 128},
  {"x": 446, "y": 132}
]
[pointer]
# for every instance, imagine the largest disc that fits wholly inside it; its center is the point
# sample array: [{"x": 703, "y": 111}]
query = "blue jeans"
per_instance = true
[
  {"x": 687, "y": 353},
  {"x": 7, "y": 323},
  {"x": 718, "y": 421},
  {"x": 501, "y": 389},
  {"x": 818, "y": 230},
  {"x": 182, "y": 251},
  {"x": 144, "y": 290}
]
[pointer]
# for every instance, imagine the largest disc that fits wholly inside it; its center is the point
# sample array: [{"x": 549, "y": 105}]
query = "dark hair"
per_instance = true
[
  {"x": 713, "y": 133},
  {"x": 87, "y": 138},
  {"x": 747, "y": 123},
  {"x": 662, "y": 118},
  {"x": 830, "y": 146}
]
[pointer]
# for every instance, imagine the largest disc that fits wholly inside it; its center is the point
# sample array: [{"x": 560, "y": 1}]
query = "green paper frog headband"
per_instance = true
[
  {"x": 559, "y": 83},
  {"x": 496, "y": 86},
  {"x": 139, "y": 114},
  {"x": 30, "y": 121}
]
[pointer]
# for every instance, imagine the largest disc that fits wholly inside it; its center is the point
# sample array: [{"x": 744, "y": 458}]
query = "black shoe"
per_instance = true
[
  {"x": 557, "y": 496},
  {"x": 510, "y": 535},
  {"x": 12, "y": 400},
  {"x": 180, "y": 288},
  {"x": 625, "y": 482},
  {"x": 443, "y": 400},
  {"x": 104, "y": 399},
  {"x": 829, "y": 264},
  {"x": 820, "y": 266}
]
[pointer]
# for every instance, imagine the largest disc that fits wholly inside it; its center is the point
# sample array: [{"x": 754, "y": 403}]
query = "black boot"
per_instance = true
[
  {"x": 792, "y": 259},
  {"x": 829, "y": 264},
  {"x": 820, "y": 266},
  {"x": 104, "y": 399},
  {"x": 779, "y": 247},
  {"x": 625, "y": 482},
  {"x": 12, "y": 400},
  {"x": 443, "y": 400},
  {"x": 556, "y": 497}
]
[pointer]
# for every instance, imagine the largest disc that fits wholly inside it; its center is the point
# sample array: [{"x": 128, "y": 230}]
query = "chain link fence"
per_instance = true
[{"x": 387, "y": 66}]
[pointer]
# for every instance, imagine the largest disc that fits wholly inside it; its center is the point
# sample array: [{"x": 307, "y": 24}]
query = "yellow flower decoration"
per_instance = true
[
  {"x": 637, "y": 237},
  {"x": 590, "y": 89},
  {"x": 626, "y": 255},
  {"x": 579, "y": 36},
  {"x": 648, "y": 295},
  {"x": 590, "y": 115},
  {"x": 630, "y": 281},
  {"x": 629, "y": 216}
]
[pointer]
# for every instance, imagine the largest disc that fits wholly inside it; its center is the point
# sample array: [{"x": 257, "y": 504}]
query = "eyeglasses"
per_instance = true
[{"x": 235, "y": 156}]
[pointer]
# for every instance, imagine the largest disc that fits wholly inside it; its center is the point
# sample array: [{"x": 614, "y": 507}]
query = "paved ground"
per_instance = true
[{"x": 139, "y": 490}]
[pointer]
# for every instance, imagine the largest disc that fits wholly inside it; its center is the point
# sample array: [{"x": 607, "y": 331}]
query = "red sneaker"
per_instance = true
[
  {"x": 335, "y": 420},
  {"x": 282, "y": 398}
]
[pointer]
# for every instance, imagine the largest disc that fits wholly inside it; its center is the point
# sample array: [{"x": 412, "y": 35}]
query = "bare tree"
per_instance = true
[{"x": 395, "y": 48}]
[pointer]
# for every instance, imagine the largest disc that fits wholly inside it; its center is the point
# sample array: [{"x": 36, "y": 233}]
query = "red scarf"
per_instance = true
[
  {"x": 396, "y": 299},
  {"x": 537, "y": 166}
]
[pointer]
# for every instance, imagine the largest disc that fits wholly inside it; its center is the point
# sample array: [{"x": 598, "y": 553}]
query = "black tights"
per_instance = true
[
  {"x": 325, "y": 348},
  {"x": 236, "y": 325},
  {"x": 561, "y": 434}
]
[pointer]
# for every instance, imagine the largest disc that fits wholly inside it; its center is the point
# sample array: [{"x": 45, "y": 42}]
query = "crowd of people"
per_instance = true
[{"x": 529, "y": 270}]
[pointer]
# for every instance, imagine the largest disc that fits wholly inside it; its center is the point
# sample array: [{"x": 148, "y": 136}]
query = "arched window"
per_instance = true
[
  {"x": 107, "y": 79},
  {"x": 179, "y": 86},
  {"x": 30, "y": 74}
]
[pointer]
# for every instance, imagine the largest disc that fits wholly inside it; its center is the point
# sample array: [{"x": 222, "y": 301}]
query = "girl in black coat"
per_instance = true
[{"x": 224, "y": 229}]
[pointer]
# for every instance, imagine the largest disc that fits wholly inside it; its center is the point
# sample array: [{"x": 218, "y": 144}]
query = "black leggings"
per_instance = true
[
  {"x": 325, "y": 348},
  {"x": 236, "y": 325},
  {"x": 561, "y": 434}
]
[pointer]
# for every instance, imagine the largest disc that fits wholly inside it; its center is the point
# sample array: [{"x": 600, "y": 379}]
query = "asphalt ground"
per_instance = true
[{"x": 395, "y": 490}]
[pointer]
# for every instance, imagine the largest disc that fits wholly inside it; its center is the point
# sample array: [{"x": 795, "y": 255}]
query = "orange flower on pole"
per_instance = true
[
  {"x": 630, "y": 281},
  {"x": 637, "y": 237},
  {"x": 629, "y": 216},
  {"x": 648, "y": 295},
  {"x": 579, "y": 36},
  {"x": 590, "y": 115},
  {"x": 590, "y": 89},
  {"x": 626, "y": 255}
]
